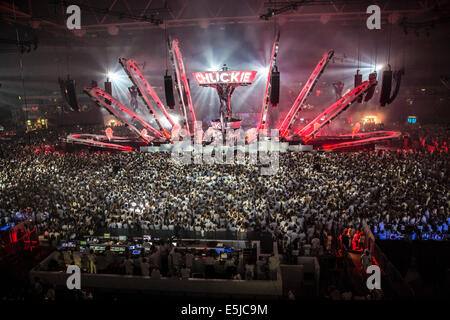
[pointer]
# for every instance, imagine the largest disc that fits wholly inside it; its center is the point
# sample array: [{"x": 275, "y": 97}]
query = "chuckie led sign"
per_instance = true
[{"x": 224, "y": 77}]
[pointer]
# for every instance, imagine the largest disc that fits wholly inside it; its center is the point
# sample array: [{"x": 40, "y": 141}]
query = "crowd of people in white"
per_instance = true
[
  {"x": 313, "y": 195},
  {"x": 315, "y": 202}
]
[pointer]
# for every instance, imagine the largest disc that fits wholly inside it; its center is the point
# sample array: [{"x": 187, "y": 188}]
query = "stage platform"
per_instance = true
[
  {"x": 263, "y": 146},
  {"x": 357, "y": 142}
]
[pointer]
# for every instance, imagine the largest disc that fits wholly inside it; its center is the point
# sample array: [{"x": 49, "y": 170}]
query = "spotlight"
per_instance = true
[
  {"x": 214, "y": 68},
  {"x": 112, "y": 76},
  {"x": 379, "y": 67},
  {"x": 175, "y": 118}
]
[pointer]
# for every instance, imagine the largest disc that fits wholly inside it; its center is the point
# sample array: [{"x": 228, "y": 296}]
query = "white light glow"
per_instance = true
[
  {"x": 215, "y": 68},
  {"x": 370, "y": 119},
  {"x": 175, "y": 118},
  {"x": 113, "y": 76}
]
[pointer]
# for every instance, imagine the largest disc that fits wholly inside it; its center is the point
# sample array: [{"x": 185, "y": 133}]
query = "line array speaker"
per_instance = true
[
  {"x": 168, "y": 88},
  {"x": 275, "y": 91}
]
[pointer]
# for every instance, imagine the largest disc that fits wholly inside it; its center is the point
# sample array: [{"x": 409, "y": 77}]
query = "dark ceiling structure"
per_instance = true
[
  {"x": 36, "y": 31},
  {"x": 99, "y": 15}
]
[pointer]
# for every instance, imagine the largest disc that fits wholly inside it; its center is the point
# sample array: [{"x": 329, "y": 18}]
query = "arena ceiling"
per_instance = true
[
  {"x": 215, "y": 32},
  {"x": 99, "y": 15}
]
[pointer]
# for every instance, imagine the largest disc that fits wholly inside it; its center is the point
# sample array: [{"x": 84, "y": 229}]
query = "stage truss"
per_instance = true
[
  {"x": 98, "y": 141},
  {"x": 122, "y": 113},
  {"x": 363, "y": 138},
  {"x": 293, "y": 113},
  {"x": 182, "y": 85},
  {"x": 329, "y": 114},
  {"x": 145, "y": 88}
]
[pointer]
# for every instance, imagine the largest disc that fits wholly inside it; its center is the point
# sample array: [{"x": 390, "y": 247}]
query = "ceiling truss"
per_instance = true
[{"x": 180, "y": 13}]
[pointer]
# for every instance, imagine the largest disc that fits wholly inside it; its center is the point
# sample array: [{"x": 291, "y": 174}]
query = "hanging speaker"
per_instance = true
[
  {"x": 185, "y": 96},
  {"x": 108, "y": 89},
  {"x": 398, "y": 79},
  {"x": 275, "y": 91},
  {"x": 386, "y": 87},
  {"x": 62, "y": 87},
  {"x": 168, "y": 88},
  {"x": 71, "y": 95},
  {"x": 371, "y": 91},
  {"x": 358, "y": 81}
]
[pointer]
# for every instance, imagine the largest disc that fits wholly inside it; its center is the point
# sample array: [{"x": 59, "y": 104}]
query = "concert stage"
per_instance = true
[
  {"x": 348, "y": 142},
  {"x": 225, "y": 82}
]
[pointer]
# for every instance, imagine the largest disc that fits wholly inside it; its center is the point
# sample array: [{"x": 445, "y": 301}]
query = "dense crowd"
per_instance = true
[
  {"x": 312, "y": 196},
  {"x": 315, "y": 203},
  {"x": 427, "y": 138}
]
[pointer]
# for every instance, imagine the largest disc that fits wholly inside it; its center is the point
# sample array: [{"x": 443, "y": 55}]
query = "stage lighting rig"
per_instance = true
[
  {"x": 279, "y": 7},
  {"x": 291, "y": 6}
]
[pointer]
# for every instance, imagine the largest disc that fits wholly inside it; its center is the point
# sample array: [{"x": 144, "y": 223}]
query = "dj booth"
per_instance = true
[{"x": 123, "y": 245}]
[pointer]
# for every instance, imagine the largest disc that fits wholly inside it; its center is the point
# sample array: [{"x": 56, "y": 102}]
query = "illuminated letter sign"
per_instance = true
[
  {"x": 224, "y": 77},
  {"x": 200, "y": 77}
]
